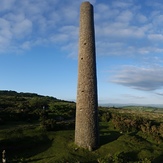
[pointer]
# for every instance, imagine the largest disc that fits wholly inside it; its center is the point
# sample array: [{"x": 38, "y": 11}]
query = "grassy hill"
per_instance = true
[{"x": 39, "y": 129}]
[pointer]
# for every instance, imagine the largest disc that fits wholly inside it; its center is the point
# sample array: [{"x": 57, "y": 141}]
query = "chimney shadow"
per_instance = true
[{"x": 106, "y": 137}]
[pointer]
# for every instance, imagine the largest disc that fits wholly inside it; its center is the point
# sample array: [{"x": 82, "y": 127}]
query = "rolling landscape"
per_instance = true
[
  {"x": 36, "y": 128},
  {"x": 75, "y": 54}
]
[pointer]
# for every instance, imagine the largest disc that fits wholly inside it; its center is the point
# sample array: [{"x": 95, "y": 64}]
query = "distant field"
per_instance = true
[
  {"x": 144, "y": 108},
  {"x": 146, "y": 112}
]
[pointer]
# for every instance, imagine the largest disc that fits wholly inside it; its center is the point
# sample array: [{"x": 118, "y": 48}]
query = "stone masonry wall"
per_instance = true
[{"x": 86, "y": 131}]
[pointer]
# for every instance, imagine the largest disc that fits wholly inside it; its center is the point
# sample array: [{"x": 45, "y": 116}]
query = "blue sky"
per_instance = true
[{"x": 39, "y": 48}]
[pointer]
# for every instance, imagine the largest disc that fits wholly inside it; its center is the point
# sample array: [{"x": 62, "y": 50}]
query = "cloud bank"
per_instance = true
[
  {"x": 146, "y": 79},
  {"x": 122, "y": 28},
  {"x": 24, "y": 24}
]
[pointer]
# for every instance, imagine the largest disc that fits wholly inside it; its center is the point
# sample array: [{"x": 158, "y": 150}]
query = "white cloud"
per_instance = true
[
  {"x": 158, "y": 20},
  {"x": 67, "y": 38},
  {"x": 29, "y": 23},
  {"x": 160, "y": 94},
  {"x": 120, "y": 26},
  {"x": 4, "y": 23},
  {"x": 147, "y": 79},
  {"x": 133, "y": 96},
  {"x": 155, "y": 4},
  {"x": 141, "y": 18},
  {"x": 139, "y": 32},
  {"x": 26, "y": 45},
  {"x": 119, "y": 31},
  {"x": 125, "y": 16},
  {"x": 69, "y": 14},
  {"x": 72, "y": 31},
  {"x": 122, "y": 4},
  {"x": 73, "y": 47},
  {"x": 22, "y": 28},
  {"x": 59, "y": 38},
  {"x": 102, "y": 8},
  {"x": 6, "y": 5},
  {"x": 155, "y": 37},
  {"x": 107, "y": 48}
]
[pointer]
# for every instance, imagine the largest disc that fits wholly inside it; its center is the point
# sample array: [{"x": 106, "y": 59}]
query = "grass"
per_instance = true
[
  {"x": 63, "y": 149},
  {"x": 35, "y": 146}
]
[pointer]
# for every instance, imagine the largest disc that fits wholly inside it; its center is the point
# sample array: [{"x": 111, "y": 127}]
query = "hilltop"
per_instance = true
[{"x": 15, "y": 100}]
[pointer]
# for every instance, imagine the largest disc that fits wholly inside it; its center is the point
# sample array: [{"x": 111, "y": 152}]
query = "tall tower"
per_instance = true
[{"x": 86, "y": 131}]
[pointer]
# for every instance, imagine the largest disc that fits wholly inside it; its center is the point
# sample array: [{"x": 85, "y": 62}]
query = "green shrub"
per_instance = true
[
  {"x": 105, "y": 117},
  {"x": 145, "y": 154},
  {"x": 52, "y": 125}
]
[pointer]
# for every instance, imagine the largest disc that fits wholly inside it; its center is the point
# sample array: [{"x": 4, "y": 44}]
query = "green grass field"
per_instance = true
[
  {"x": 27, "y": 143},
  {"x": 39, "y": 129}
]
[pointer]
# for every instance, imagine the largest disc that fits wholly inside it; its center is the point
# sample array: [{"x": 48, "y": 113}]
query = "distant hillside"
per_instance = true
[
  {"x": 14, "y": 100},
  {"x": 131, "y": 105},
  {"x": 21, "y": 94}
]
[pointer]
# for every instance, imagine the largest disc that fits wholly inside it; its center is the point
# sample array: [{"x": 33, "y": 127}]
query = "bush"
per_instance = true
[
  {"x": 145, "y": 155},
  {"x": 121, "y": 157},
  {"x": 105, "y": 117},
  {"x": 52, "y": 125},
  {"x": 48, "y": 125}
]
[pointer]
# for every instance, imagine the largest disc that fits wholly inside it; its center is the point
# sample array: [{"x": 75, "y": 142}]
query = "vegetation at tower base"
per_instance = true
[{"x": 127, "y": 135}]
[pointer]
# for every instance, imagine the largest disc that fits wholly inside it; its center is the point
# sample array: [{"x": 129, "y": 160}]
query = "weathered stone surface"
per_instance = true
[{"x": 86, "y": 131}]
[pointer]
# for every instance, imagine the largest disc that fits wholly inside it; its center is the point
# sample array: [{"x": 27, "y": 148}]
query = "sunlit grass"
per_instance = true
[{"x": 37, "y": 146}]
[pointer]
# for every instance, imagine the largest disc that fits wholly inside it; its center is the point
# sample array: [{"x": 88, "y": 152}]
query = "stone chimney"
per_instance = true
[{"x": 86, "y": 129}]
